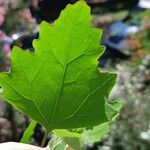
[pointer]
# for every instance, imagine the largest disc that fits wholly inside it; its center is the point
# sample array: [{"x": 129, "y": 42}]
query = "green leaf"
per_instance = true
[
  {"x": 112, "y": 109},
  {"x": 59, "y": 85},
  {"x": 74, "y": 143},
  {"x": 98, "y": 132},
  {"x": 65, "y": 133},
  {"x": 95, "y": 134},
  {"x": 28, "y": 132},
  {"x": 73, "y": 139},
  {"x": 56, "y": 143}
]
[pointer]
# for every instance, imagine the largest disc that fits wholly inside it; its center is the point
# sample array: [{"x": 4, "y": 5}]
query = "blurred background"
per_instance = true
[{"x": 126, "y": 26}]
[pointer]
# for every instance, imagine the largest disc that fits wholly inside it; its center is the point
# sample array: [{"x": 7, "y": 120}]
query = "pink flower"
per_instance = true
[
  {"x": 1, "y": 19},
  {"x": 2, "y": 2},
  {"x": 2, "y": 11},
  {"x": 26, "y": 14}
]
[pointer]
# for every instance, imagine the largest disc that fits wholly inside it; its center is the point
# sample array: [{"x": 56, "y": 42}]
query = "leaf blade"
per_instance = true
[{"x": 59, "y": 83}]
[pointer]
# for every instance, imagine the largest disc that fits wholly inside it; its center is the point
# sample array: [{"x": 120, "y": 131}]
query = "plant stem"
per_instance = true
[{"x": 44, "y": 139}]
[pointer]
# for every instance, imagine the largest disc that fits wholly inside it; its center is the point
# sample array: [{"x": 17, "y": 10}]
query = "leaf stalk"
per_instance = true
[{"x": 44, "y": 139}]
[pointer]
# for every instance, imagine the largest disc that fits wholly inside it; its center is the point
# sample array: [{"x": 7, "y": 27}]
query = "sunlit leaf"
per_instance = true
[{"x": 59, "y": 85}]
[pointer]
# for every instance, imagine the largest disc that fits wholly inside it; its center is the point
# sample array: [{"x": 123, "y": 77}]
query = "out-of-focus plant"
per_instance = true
[
  {"x": 145, "y": 39},
  {"x": 16, "y": 16},
  {"x": 132, "y": 130}
]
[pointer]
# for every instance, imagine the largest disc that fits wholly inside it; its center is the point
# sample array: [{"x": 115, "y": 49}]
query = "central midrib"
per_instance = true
[
  {"x": 58, "y": 96},
  {"x": 62, "y": 81}
]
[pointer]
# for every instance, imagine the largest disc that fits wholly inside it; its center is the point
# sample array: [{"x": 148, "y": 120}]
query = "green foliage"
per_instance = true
[
  {"x": 98, "y": 132},
  {"x": 28, "y": 132},
  {"x": 76, "y": 137},
  {"x": 142, "y": 14},
  {"x": 145, "y": 40},
  {"x": 13, "y": 21},
  {"x": 71, "y": 138},
  {"x": 56, "y": 144},
  {"x": 131, "y": 131},
  {"x": 59, "y": 85}
]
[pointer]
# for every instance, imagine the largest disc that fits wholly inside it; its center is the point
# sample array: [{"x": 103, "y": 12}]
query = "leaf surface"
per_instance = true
[
  {"x": 98, "y": 132},
  {"x": 59, "y": 85}
]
